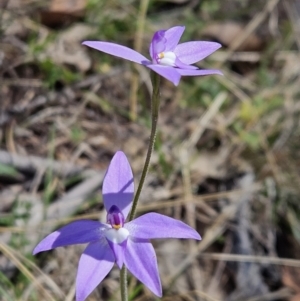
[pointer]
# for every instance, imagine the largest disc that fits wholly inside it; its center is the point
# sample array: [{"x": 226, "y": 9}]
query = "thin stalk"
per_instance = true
[
  {"x": 123, "y": 280},
  {"x": 154, "y": 118},
  {"x": 140, "y": 26}
]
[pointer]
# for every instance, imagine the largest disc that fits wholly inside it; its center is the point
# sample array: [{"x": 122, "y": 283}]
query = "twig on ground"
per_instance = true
[{"x": 31, "y": 164}]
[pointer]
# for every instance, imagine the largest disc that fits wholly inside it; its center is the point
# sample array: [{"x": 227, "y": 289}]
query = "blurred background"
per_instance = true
[{"x": 226, "y": 159}]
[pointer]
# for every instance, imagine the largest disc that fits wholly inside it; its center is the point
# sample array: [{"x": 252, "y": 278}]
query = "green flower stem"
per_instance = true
[
  {"x": 154, "y": 118},
  {"x": 123, "y": 281}
]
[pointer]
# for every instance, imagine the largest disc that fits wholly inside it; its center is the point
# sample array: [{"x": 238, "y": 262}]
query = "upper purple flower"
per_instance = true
[
  {"x": 116, "y": 241},
  {"x": 169, "y": 59}
]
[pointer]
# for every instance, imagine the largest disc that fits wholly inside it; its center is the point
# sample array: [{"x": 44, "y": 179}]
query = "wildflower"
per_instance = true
[
  {"x": 169, "y": 59},
  {"x": 116, "y": 241}
]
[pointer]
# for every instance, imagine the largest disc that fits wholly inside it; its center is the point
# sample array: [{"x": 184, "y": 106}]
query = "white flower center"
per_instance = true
[
  {"x": 167, "y": 58},
  {"x": 117, "y": 236}
]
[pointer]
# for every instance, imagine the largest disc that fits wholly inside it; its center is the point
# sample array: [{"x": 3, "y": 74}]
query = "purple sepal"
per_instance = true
[
  {"x": 167, "y": 72},
  {"x": 78, "y": 232},
  {"x": 181, "y": 65},
  {"x": 173, "y": 36},
  {"x": 140, "y": 259},
  {"x": 198, "y": 72},
  {"x": 195, "y": 51},
  {"x": 118, "y": 184},
  {"x": 95, "y": 263},
  {"x": 118, "y": 50},
  {"x": 154, "y": 225}
]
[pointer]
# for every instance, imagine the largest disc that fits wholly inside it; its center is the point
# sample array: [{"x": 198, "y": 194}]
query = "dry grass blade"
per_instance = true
[
  {"x": 206, "y": 197},
  {"x": 215, "y": 230},
  {"x": 204, "y": 121},
  {"x": 252, "y": 258},
  {"x": 138, "y": 47},
  {"x": 293, "y": 13},
  {"x": 211, "y": 234},
  {"x": 34, "y": 163},
  {"x": 56, "y": 289},
  {"x": 191, "y": 296},
  {"x": 7, "y": 252},
  {"x": 284, "y": 293},
  {"x": 71, "y": 294},
  {"x": 255, "y": 22}
]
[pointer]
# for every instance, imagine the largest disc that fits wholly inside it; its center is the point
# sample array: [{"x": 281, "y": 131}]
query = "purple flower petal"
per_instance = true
[
  {"x": 118, "y": 250},
  {"x": 94, "y": 264},
  {"x": 77, "y": 232},
  {"x": 158, "y": 43},
  {"x": 118, "y": 50},
  {"x": 118, "y": 185},
  {"x": 167, "y": 72},
  {"x": 173, "y": 36},
  {"x": 140, "y": 259},
  {"x": 154, "y": 225},
  {"x": 192, "y": 52},
  {"x": 165, "y": 40},
  {"x": 117, "y": 240},
  {"x": 186, "y": 72},
  {"x": 181, "y": 65}
]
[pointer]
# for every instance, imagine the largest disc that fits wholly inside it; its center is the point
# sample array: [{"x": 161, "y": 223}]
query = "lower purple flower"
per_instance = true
[{"x": 116, "y": 241}]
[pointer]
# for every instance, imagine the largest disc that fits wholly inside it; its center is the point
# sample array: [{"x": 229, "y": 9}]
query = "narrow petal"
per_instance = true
[
  {"x": 169, "y": 73},
  {"x": 181, "y": 65},
  {"x": 117, "y": 240},
  {"x": 192, "y": 52},
  {"x": 118, "y": 250},
  {"x": 78, "y": 232},
  {"x": 140, "y": 259},
  {"x": 186, "y": 72},
  {"x": 118, "y": 185},
  {"x": 94, "y": 264},
  {"x": 173, "y": 36},
  {"x": 154, "y": 225},
  {"x": 118, "y": 50}
]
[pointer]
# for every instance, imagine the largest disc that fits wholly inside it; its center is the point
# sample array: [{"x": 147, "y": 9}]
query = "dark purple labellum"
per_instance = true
[
  {"x": 115, "y": 217},
  {"x": 158, "y": 43}
]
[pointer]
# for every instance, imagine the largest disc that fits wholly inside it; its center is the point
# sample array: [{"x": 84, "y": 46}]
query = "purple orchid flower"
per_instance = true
[
  {"x": 169, "y": 59},
  {"x": 117, "y": 241}
]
